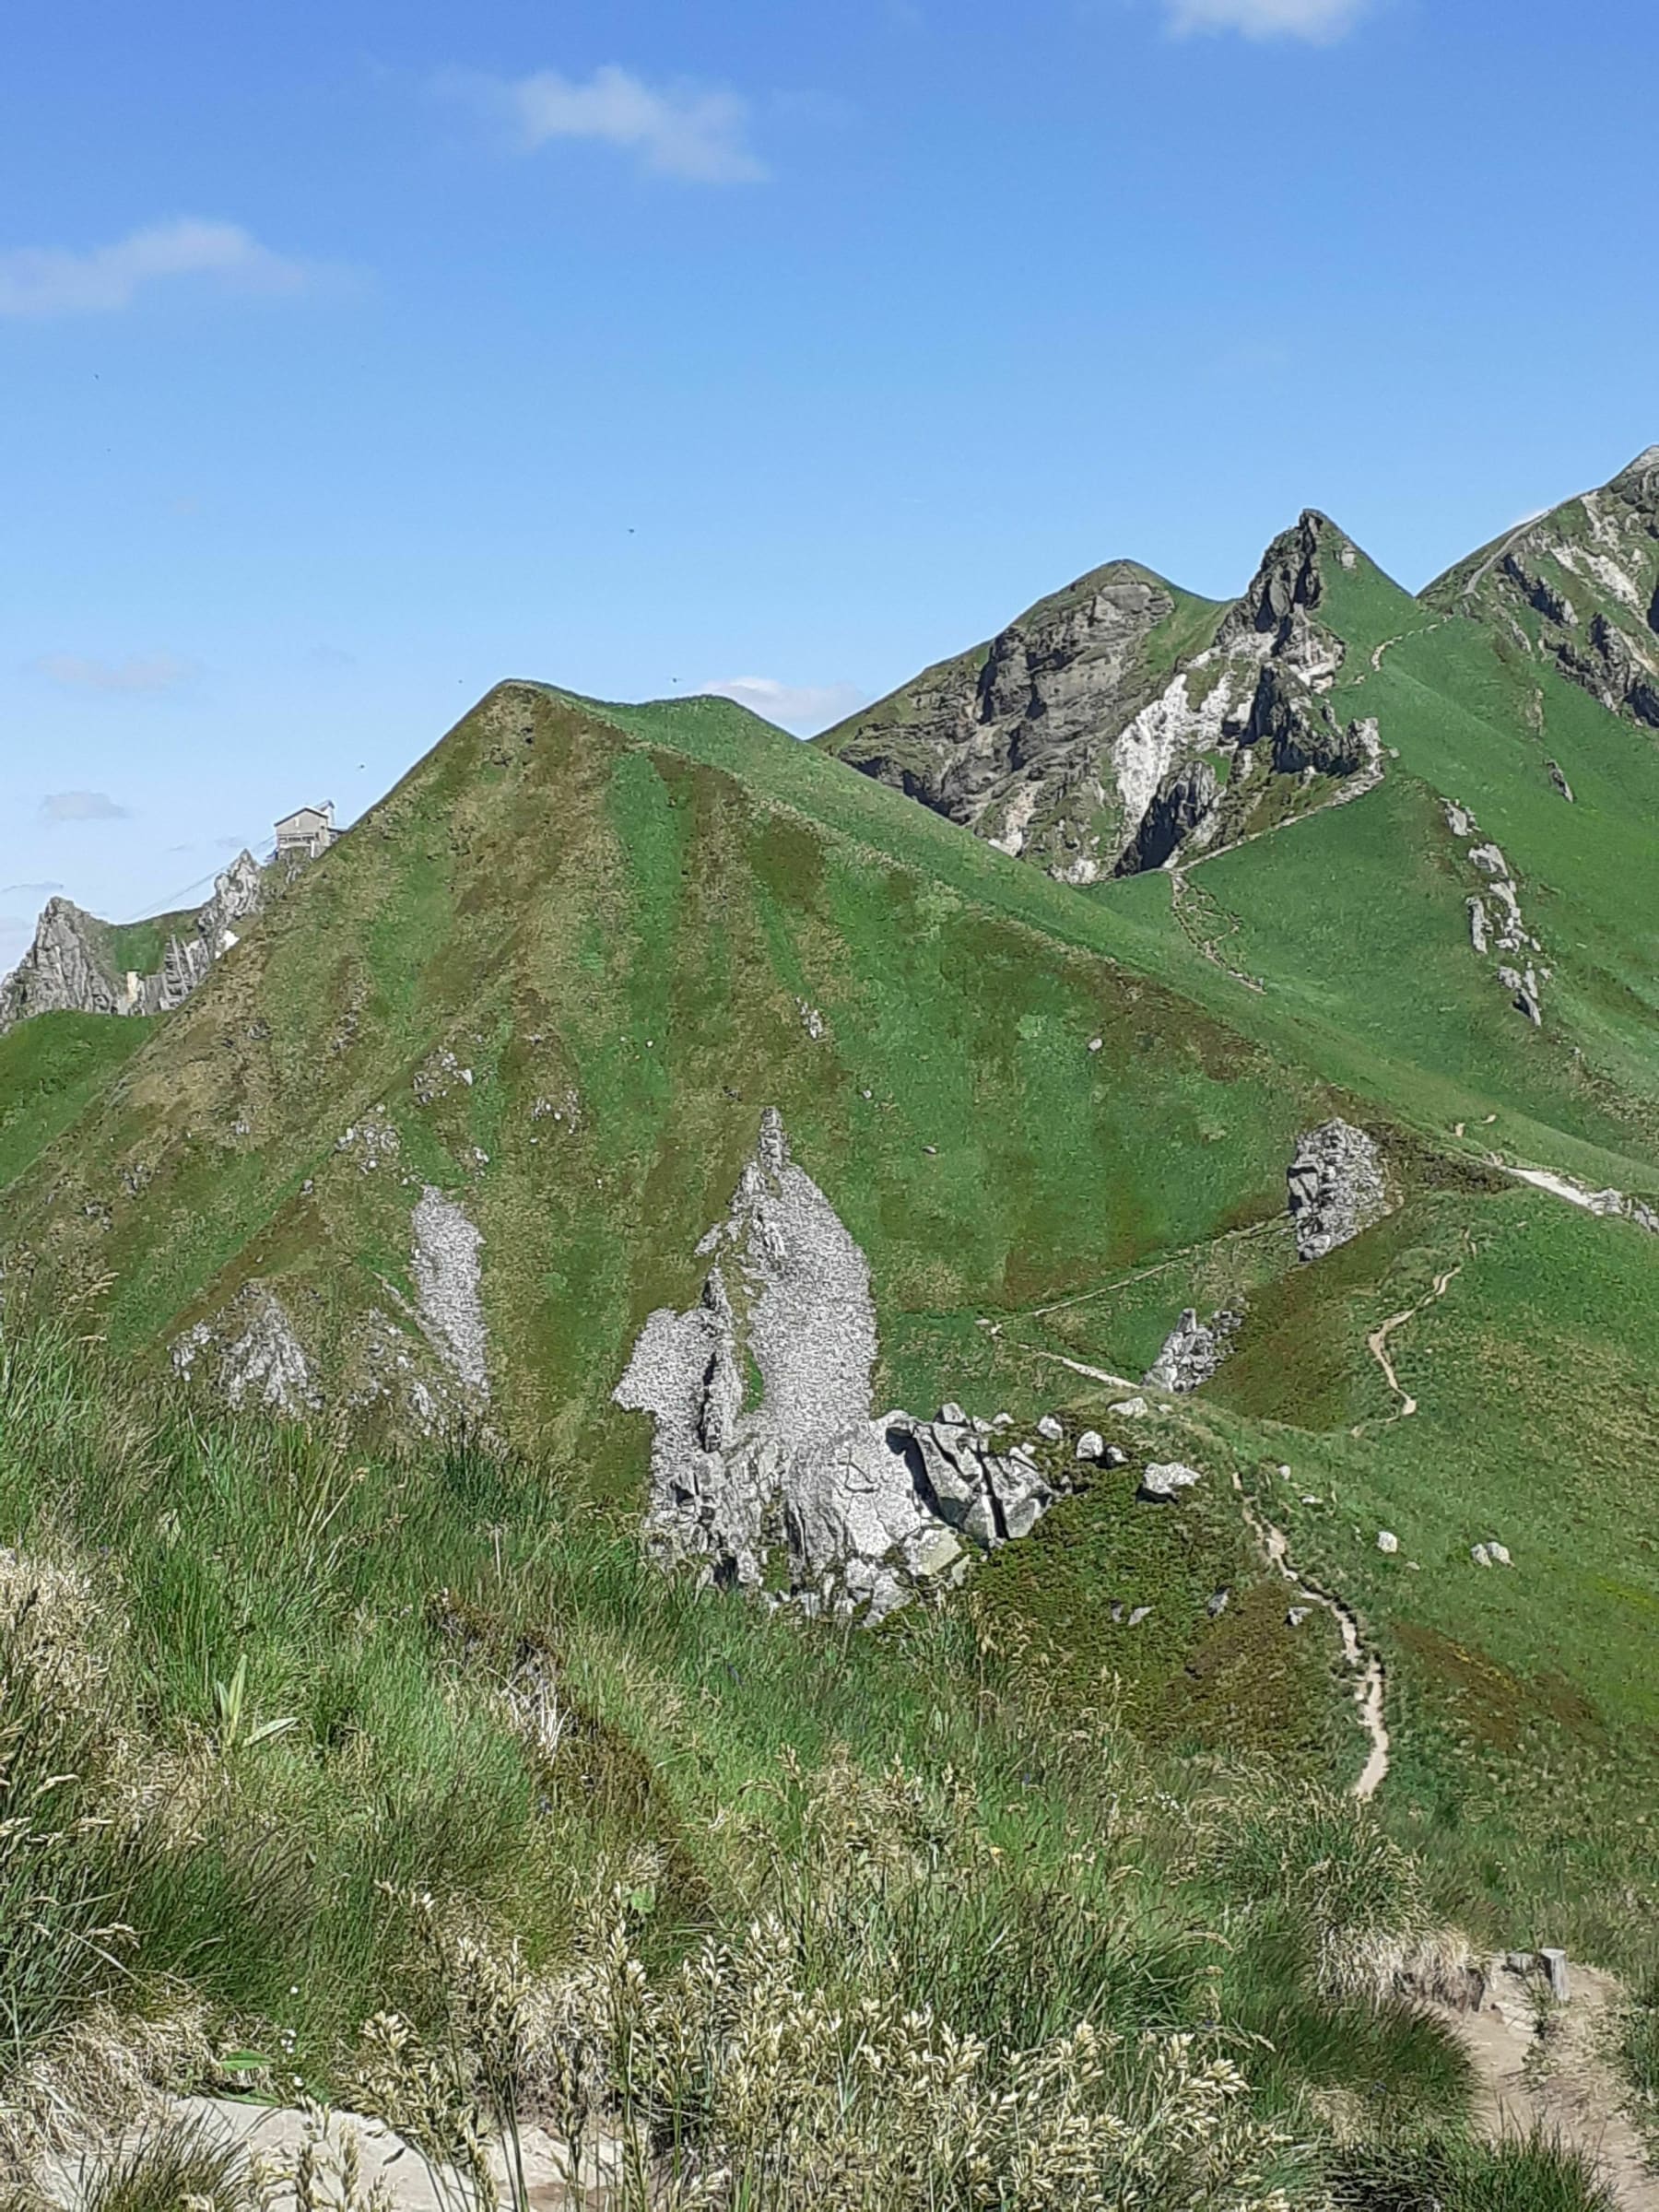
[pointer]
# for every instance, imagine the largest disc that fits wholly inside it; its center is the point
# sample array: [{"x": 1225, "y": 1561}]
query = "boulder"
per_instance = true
[
  {"x": 806, "y": 1491},
  {"x": 1164, "y": 1481},
  {"x": 1336, "y": 1188},
  {"x": 1192, "y": 1351}
]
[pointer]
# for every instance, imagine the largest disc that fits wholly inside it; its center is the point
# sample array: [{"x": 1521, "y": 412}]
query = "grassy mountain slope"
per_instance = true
[
  {"x": 1359, "y": 914},
  {"x": 573, "y": 911},
  {"x": 558, "y": 973},
  {"x": 328, "y": 1735},
  {"x": 50, "y": 1069}
]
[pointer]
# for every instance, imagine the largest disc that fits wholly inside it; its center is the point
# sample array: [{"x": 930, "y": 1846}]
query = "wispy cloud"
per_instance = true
[
  {"x": 1320, "y": 22},
  {"x": 138, "y": 672},
  {"x": 82, "y": 806},
  {"x": 696, "y": 133},
  {"x": 806, "y": 708},
  {"x": 28, "y": 890},
  {"x": 41, "y": 281}
]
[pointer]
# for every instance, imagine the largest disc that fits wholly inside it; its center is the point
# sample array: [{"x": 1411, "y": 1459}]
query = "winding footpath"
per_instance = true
[
  {"x": 1377, "y": 1345},
  {"x": 1369, "y": 1690}
]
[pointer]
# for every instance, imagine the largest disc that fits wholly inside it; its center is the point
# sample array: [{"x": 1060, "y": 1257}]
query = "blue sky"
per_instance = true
[{"x": 357, "y": 355}]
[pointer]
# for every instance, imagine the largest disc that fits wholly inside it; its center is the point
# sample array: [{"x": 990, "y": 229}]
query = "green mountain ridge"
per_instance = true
[{"x": 429, "y": 1147}]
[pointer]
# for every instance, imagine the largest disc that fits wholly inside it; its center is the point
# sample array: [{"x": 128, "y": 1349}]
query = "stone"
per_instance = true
[
  {"x": 1091, "y": 1444},
  {"x": 1073, "y": 741},
  {"x": 1499, "y": 1554},
  {"x": 1192, "y": 1351},
  {"x": 1165, "y": 1480},
  {"x": 1095, "y": 1043},
  {"x": 853, "y": 1514},
  {"x": 1480, "y": 1554},
  {"x": 1050, "y": 1427},
  {"x": 1218, "y": 1604},
  {"x": 1387, "y": 1541},
  {"x": 1335, "y": 1186},
  {"x": 259, "y": 1360},
  {"x": 1137, "y": 1613},
  {"x": 1114, "y": 1456},
  {"x": 1131, "y": 1409},
  {"x": 1296, "y": 1616},
  {"x": 1554, "y": 1964},
  {"x": 447, "y": 1270},
  {"x": 1553, "y": 769}
]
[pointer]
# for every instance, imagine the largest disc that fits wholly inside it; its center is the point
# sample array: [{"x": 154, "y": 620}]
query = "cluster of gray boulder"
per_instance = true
[
  {"x": 798, "y": 1489},
  {"x": 1495, "y": 920},
  {"x": 768, "y": 1466}
]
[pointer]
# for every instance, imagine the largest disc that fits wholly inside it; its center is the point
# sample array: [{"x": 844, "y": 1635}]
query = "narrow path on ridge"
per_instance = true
[
  {"x": 1369, "y": 1690},
  {"x": 1377, "y": 1345}
]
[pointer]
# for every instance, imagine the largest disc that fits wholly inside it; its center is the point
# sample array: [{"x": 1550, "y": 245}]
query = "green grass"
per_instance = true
[
  {"x": 52, "y": 1067},
  {"x": 920, "y": 1804}
]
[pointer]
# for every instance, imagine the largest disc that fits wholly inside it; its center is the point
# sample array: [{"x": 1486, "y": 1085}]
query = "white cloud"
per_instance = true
[
  {"x": 691, "y": 131},
  {"x": 49, "y": 280},
  {"x": 138, "y": 672},
  {"x": 82, "y": 806},
  {"x": 806, "y": 708},
  {"x": 1319, "y": 21}
]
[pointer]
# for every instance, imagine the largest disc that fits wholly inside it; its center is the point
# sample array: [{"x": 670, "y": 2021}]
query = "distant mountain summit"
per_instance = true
[
  {"x": 1579, "y": 588},
  {"x": 1121, "y": 725},
  {"x": 80, "y": 965},
  {"x": 1122, "y": 722}
]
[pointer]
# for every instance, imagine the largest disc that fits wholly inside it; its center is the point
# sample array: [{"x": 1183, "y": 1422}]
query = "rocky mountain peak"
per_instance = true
[
  {"x": 1291, "y": 575},
  {"x": 73, "y": 967},
  {"x": 64, "y": 971},
  {"x": 1638, "y": 482}
]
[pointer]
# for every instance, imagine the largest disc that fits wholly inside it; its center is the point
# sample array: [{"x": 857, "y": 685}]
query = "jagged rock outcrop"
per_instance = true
[
  {"x": 253, "y": 1359},
  {"x": 1496, "y": 925},
  {"x": 794, "y": 1487},
  {"x": 1579, "y": 587},
  {"x": 72, "y": 966},
  {"x": 1192, "y": 1351},
  {"x": 1080, "y": 738},
  {"x": 64, "y": 971},
  {"x": 1280, "y": 603},
  {"x": 1336, "y": 1187},
  {"x": 448, "y": 1270}
]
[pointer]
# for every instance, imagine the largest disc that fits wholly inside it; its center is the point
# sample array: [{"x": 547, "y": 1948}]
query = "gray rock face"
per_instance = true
[
  {"x": 1336, "y": 1188},
  {"x": 256, "y": 1359},
  {"x": 447, "y": 1270},
  {"x": 1495, "y": 923},
  {"x": 796, "y": 1489},
  {"x": 1077, "y": 740},
  {"x": 64, "y": 971},
  {"x": 70, "y": 967},
  {"x": 1579, "y": 588},
  {"x": 1192, "y": 1351}
]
